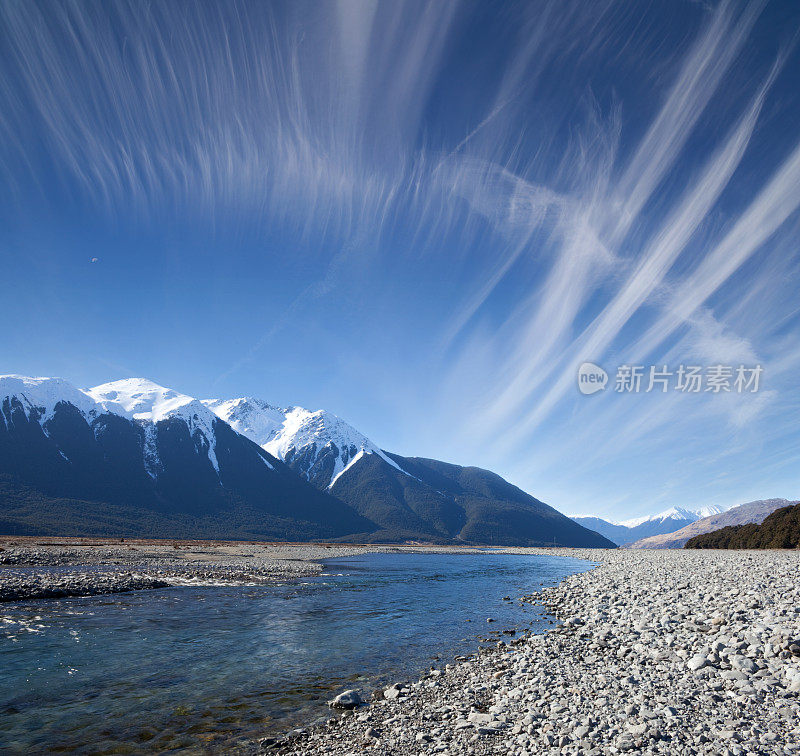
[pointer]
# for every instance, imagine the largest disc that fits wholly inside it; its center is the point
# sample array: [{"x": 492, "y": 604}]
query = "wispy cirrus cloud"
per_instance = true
[
  {"x": 652, "y": 264},
  {"x": 552, "y": 183}
]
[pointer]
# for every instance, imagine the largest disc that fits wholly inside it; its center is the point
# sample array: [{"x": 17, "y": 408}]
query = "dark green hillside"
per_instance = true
[
  {"x": 780, "y": 530},
  {"x": 25, "y": 510},
  {"x": 447, "y": 503},
  {"x": 497, "y": 512},
  {"x": 405, "y": 508}
]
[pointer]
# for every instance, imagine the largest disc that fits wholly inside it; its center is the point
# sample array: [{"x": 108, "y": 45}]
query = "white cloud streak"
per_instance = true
[{"x": 325, "y": 120}]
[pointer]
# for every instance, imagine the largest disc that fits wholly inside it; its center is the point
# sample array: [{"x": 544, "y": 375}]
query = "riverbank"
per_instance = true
[
  {"x": 216, "y": 667},
  {"x": 663, "y": 652}
]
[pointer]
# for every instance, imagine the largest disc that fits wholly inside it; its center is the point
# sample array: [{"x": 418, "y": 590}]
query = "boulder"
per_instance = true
[{"x": 350, "y": 699}]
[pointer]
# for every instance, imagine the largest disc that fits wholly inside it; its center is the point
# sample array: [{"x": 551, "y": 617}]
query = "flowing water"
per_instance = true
[{"x": 212, "y": 669}]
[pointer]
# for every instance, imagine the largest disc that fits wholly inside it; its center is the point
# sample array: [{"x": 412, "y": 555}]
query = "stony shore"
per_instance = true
[
  {"x": 663, "y": 652},
  {"x": 33, "y": 570}
]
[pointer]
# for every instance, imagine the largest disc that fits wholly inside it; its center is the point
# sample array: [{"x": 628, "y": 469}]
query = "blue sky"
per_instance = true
[{"x": 423, "y": 217}]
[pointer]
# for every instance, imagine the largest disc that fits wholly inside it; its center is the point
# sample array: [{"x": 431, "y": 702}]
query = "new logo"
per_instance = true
[{"x": 591, "y": 378}]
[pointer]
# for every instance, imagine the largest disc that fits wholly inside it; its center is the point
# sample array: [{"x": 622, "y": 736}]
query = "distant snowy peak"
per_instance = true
[
  {"x": 314, "y": 443},
  {"x": 675, "y": 513},
  {"x": 711, "y": 510},
  {"x": 637, "y": 528}
]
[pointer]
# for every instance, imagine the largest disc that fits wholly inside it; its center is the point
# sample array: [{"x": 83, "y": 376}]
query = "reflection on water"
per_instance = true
[{"x": 210, "y": 669}]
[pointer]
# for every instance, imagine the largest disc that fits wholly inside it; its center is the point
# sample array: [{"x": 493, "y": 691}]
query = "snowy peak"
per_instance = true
[
  {"x": 253, "y": 418},
  {"x": 326, "y": 434},
  {"x": 42, "y": 395},
  {"x": 302, "y": 428},
  {"x": 141, "y": 399},
  {"x": 674, "y": 513},
  {"x": 135, "y": 399},
  {"x": 319, "y": 445},
  {"x": 713, "y": 509}
]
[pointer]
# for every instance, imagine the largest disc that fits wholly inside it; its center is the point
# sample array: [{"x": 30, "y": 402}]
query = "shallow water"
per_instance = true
[{"x": 211, "y": 669}]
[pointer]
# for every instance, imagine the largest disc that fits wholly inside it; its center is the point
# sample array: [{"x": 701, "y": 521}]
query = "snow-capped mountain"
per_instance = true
[
  {"x": 754, "y": 512},
  {"x": 149, "y": 403},
  {"x": 408, "y": 498},
  {"x": 674, "y": 513},
  {"x": 160, "y": 460},
  {"x": 318, "y": 445},
  {"x": 254, "y": 418},
  {"x": 134, "y": 458},
  {"x": 134, "y": 399},
  {"x": 668, "y": 521},
  {"x": 144, "y": 400},
  {"x": 38, "y": 397}
]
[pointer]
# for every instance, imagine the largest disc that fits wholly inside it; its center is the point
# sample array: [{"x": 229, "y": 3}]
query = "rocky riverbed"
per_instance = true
[
  {"x": 31, "y": 569},
  {"x": 663, "y": 652}
]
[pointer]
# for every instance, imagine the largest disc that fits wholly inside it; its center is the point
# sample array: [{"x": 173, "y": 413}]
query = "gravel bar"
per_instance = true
[
  {"x": 663, "y": 652},
  {"x": 50, "y": 570}
]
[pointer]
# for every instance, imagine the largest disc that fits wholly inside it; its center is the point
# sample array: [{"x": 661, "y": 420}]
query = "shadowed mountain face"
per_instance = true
[
  {"x": 753, "y": 512},
  {"x": 780, "y": 530},
  {"x": 449, "y": 502}
]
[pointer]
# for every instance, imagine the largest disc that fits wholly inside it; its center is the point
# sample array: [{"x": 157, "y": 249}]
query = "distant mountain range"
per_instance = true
[
  {"x": 628, "y": 531},
  {"x": 779, "y": 530},
  {"x": 134, "y": 458},
  {"x": 744, "y": 514}
]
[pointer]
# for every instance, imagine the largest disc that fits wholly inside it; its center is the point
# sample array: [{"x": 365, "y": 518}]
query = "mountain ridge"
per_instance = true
[
  {"x": 628, "y": 531},
  {"x": 150, "y": 462},
  {"x": 411, "y": 496},
  {"x": 151, "y": 452},
  {"x": 319, "y": 437}
]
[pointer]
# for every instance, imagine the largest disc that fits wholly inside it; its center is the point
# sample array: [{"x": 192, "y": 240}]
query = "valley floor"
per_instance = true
[{"x": 664, "y": 652}]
